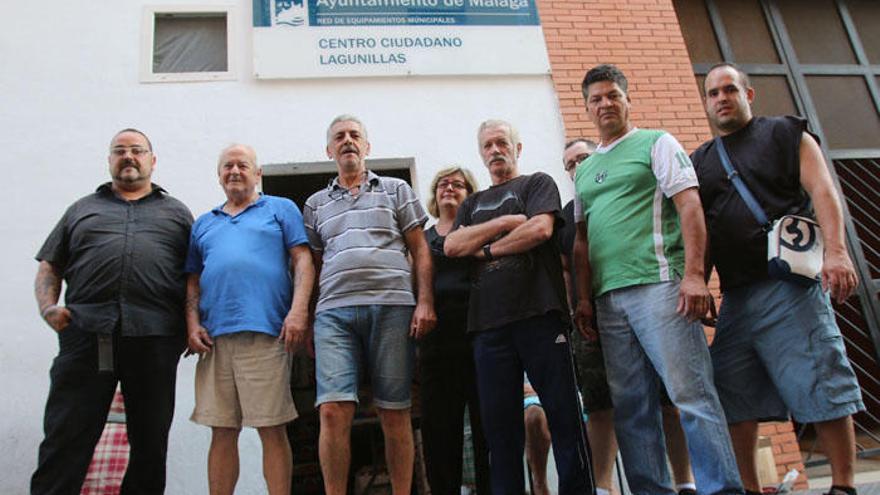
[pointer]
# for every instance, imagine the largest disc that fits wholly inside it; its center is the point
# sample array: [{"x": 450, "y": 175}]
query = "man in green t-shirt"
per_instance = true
[{"x": 639, "y": 252}]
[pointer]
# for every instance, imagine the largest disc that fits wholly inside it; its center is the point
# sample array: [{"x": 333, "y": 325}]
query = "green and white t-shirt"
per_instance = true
[{"x": 623, "y": 191}]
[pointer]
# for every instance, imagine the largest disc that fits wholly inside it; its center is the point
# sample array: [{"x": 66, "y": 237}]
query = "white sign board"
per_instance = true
[{"x": 356, "y": 38}]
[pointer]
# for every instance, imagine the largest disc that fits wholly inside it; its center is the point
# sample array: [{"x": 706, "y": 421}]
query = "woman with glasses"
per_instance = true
[{"x": 446, "y": 366}]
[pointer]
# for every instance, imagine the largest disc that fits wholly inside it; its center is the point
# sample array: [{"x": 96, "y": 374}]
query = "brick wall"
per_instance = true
[
  {"x": 786, "y": 451},
  {"x": 643, "y": 38}
]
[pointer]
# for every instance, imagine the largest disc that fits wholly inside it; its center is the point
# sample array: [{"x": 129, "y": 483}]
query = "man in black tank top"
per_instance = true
[{"x": 778, "y": 337}]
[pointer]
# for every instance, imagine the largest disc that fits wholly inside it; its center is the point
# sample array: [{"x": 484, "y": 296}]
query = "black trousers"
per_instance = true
[
  {"x": 539, "y": 346},
  {"x": 448, "y": 383},
  {"x": 80, "y": 397}
]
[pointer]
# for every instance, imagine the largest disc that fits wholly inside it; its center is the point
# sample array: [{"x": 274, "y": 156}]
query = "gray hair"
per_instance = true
[
  {"x": 345, "y": 118},
  {"x": 249, "y": 149},
  {"x": 492, "y": 123}
]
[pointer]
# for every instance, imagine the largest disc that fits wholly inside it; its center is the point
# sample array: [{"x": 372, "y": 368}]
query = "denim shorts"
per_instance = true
[
  {"x": 371, "y": 338},
  {"x": 777, "y": 349}
]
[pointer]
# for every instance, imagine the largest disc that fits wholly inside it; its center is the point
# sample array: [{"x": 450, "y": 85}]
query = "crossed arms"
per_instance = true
[{"x": 518, "y": 235}]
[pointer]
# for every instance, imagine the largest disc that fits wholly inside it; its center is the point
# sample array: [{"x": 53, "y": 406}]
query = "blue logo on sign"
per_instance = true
[
  {"x": 268, "y": 13},
  {"x": 289, "y": 13}
]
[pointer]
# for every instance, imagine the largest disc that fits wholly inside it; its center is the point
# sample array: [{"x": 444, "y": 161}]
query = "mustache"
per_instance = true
[{"x": 349, "y": 148}]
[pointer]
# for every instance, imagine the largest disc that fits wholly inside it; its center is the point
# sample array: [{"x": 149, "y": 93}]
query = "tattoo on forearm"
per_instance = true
[
  {"x": 192, "y": 302},
  {"x": 303, "y": 287},
  {"x": 47, "y": 286}
]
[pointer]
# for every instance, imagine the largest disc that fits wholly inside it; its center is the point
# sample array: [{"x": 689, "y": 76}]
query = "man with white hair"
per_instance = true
[
  {"x": 244, "y": 315},
  {"x": 518, "y": 313}
]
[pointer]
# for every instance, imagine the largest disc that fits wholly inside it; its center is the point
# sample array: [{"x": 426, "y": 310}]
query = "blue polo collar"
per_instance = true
[{"x": 261, "y": 200}]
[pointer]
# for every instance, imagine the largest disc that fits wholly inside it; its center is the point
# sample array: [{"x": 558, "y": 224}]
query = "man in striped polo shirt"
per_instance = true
[
  {"x": 639, "y": 252},
  {"x": 361, "y": 228}
]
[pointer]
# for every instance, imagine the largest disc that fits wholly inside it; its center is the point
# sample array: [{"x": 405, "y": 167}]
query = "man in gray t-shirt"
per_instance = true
[{"x": 361, "y": 228}]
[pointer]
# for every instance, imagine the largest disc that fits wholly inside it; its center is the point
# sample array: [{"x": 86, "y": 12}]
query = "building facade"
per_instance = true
[{"x": 274, "y": 73}]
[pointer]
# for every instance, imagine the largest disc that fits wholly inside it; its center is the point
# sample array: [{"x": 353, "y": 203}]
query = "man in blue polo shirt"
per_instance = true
[{"x": 244, "y": 316}]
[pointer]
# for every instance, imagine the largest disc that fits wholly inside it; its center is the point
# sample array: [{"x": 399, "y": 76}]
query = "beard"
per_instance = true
[{"x": 129, "y": 173}]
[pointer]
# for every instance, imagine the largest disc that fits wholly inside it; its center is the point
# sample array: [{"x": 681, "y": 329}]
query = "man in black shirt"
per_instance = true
[
  {"x": 777, "y": 348},
  {"x": 120, "y": 251},
  {"x": 518, "y": 313}
]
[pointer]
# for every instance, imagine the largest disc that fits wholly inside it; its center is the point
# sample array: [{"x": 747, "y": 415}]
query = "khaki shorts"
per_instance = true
[{"x": 244, "y": 381}]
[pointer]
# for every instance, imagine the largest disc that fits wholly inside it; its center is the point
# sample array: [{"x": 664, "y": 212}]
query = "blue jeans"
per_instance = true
[
  {"x": 347, "y": 338},
  {"x": 646, "y": 341},
  {"x": 539, "y": 346}
]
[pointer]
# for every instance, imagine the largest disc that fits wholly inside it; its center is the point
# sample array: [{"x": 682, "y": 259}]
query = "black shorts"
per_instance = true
[{"x": 591, "y": 376}]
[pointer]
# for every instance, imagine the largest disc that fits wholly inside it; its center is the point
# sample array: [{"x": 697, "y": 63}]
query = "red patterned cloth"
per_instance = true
[{"x": 105, "y": 473}]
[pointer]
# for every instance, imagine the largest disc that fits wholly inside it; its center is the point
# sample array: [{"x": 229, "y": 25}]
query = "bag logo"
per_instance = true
[
  {"x": 600, "y": 177},
  {"x": 799, "y": 236},
  {"x": 794, "y": 250}
]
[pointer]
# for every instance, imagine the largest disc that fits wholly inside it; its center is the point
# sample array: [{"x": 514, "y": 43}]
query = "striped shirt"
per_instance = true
[{"x": 361, "y": 242}]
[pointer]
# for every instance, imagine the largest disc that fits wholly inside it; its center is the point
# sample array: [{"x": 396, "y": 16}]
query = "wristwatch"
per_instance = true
[{"x": 487, "y": 251}]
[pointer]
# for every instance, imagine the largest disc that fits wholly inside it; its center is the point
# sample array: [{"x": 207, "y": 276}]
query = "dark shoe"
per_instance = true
[{"x": 839, "y": 490}]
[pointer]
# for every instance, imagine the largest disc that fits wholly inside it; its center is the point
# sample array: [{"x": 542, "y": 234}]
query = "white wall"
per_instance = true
[{"x": 70, "y": 80}]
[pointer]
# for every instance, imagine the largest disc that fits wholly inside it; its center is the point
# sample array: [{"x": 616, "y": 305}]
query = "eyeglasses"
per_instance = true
[
  {"x": 338, "y": 192},
  {"x": 135, "y": 150},
  {"x": 575, "y": 161},
  {"x": 456, "y": 184}
]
